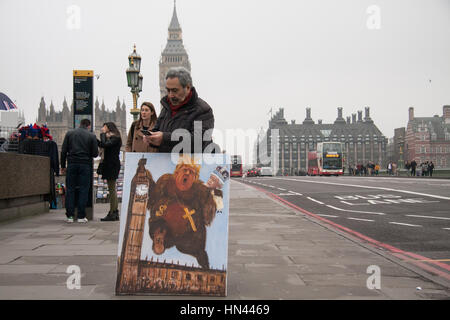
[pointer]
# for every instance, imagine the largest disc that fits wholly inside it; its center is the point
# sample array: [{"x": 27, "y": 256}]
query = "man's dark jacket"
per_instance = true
[
  {"x": 79, "y": 146},
  {"x": 194, "y": 110}
]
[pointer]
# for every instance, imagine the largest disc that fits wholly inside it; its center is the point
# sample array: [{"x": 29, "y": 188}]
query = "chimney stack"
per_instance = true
[
  {"x": 360, "y": 116},
  {"x": 348, "y": 120},
  {"x": 367, "y": 116},
  {"x": 446, "y": 114},
  {"x": 339, "y": 119},
  {"x": 411, "y": 114},
  {"x": 353, "y": 118},
  {"x": 308, "y": 119},
  {"x": 319, "y": 121}
]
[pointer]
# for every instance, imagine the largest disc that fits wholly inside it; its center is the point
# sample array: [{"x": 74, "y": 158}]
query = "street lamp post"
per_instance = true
[{"x": 135, "y": 80}]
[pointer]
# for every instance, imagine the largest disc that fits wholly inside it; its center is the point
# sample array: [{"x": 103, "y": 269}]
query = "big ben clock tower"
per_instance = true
[
  {"x": 174, "y": 55},
  {"x": 141, "y": 186}
]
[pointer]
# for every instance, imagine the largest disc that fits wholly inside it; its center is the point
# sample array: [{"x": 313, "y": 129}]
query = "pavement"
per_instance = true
[{"x": 275, "y": 253}]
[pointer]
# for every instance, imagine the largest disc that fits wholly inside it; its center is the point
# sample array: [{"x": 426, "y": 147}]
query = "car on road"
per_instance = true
[
  {"x": 253, "y": 172},
  {"x": 266, "y": 171}
]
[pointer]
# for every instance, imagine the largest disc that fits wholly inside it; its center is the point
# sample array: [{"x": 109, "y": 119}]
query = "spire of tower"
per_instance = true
[
  {"x": 174, "y": 24},
  {"x": 174, "y": 54}
]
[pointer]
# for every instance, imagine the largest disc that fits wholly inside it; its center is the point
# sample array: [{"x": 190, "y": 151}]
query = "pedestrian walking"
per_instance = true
[
  {"x": 183, "y": 109},
  {"x": 377, "y": 169},
  {"x": 424, "y": 167},
  {"x": 407, "y": 167},
  {"x": 413, "y": 168},
  {"x": 359, "y": 169},
  {"x": 364, "y": 170},
  {"x": 394, "y": 169},
  {"x": 431, "y": 168},
  {"x": 140, "y": 127},
  {"x": 389, "y": 168},
  {"x": 110, "y": 143},
  {"x": 372, "y": 168},
  {"x": 79, "y": 148}
]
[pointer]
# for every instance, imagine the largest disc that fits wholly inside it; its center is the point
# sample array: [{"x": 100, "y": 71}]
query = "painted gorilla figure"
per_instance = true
[{"x": 181, "y": 207}]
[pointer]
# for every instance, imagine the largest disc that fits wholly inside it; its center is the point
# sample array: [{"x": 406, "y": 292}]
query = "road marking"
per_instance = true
[
  {"x": 361, "y": 219},
  {"x": 327, "y": 215},
  {"x": 367, "y": 187},
  {"x": 446, "y": 228},
  {"x": 405, "y": 224},
  {"x": 415, "y": 216},
  {"x": 339, "y": 209},
  {"x": 315, "y": 200},
  {"x": 281, "y": 189},
  {"x": 430, "y": 260},
  {"x": 355, "y": 204}
]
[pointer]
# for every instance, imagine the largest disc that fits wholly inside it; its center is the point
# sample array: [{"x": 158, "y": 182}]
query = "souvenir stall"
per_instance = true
[{"x": 36, "y": 140}]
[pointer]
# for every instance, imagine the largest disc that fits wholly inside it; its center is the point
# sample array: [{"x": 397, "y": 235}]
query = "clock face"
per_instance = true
[{"x": 141, "y": 189}]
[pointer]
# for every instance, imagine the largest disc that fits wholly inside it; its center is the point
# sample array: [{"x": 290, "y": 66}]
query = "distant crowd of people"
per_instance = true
[
  {"x": 426, "y": 168},
  {"x": 370, "y": 169}
]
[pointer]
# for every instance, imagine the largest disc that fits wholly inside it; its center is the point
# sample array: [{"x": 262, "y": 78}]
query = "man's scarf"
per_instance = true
[{"x": 175, "y": 109}]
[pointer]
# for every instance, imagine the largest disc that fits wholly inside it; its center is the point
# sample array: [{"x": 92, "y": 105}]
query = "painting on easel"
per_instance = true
[{"x": 174, "y": 225}]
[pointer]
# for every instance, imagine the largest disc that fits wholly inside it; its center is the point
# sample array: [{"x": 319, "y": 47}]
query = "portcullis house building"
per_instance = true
[{"x": 362, "y": 141}]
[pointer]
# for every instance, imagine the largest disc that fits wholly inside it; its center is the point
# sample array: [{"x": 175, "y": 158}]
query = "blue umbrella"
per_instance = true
[{"x": 6, "y": 103}]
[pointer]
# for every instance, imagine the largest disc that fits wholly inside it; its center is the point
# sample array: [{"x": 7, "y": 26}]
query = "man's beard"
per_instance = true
[{"x": 175, "y": 101}]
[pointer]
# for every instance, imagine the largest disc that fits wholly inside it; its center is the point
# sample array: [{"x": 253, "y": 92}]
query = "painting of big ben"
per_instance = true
[{"x": 174, "y": 225}]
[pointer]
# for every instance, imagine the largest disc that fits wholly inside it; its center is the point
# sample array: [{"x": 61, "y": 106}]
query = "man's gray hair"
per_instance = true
[{"x": 182, "y": 74}]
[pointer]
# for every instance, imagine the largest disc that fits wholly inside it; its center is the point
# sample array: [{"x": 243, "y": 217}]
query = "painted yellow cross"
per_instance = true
[
  {"x": 162, "y": 209},
  {"x": 188, "y": 216}
]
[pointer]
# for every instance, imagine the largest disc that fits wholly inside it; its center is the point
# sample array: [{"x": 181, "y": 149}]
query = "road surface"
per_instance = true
[{"x": 408, "y": 217}]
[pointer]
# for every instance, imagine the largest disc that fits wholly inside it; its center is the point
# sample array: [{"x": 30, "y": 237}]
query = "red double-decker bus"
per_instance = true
[
  {"x": 313, "y": 163},
  {"x": 326, "y": 160},
  {"x": 236, "y": 166}
]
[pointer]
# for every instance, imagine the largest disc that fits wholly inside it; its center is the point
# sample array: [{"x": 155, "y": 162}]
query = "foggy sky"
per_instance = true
[{"x": 246, "y": 56}]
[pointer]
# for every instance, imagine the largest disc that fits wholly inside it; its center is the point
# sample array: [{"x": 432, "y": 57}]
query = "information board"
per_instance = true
[
  {"x": 83, "y": 96},
  {"x": 83, "y": 101}
]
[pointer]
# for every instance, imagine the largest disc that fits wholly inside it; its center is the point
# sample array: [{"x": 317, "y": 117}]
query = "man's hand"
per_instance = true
[
  {"x": 155, "y": 138},
  {"x": 63, "y": 171}
]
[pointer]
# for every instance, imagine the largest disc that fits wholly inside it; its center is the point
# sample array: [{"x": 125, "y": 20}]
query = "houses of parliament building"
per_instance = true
[{"x": 59, "y": 122}]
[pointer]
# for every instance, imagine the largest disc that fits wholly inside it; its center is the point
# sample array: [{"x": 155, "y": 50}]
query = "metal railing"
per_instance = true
[{"x": 9, "y": 139}]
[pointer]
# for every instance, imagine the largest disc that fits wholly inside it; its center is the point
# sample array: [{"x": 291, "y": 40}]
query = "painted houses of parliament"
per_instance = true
[{"x": 59, "y": 122}]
